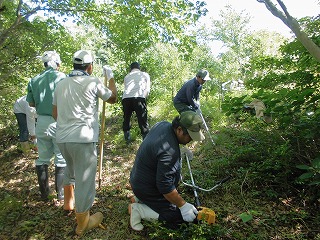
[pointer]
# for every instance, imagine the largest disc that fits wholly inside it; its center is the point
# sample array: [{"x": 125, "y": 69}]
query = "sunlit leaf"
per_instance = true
[{"x": 245, "y": 217}]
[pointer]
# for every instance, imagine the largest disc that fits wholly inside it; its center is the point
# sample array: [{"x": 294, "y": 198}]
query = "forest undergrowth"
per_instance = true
[{"x": 243, "y": 209}]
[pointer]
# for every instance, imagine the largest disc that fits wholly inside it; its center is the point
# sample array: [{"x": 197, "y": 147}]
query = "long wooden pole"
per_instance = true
[{"x": 103, "y": 120}]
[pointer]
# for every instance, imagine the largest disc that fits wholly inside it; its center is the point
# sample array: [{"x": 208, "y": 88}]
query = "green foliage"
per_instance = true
[
  {"x": 101, "y": 27},
  {"x": 146, "y": 23},
  {"x": 312, "y": 172},
  {"x": 19, "y": 63},
  {"x": 10, "y": 210},
  {"x": 240, "y": 45},
  {"x": 277, "y": 161},
  {"x": 201, "y": 231},
  {"x": 165, "y": 64},
  {"x": 289, "y": 87}
]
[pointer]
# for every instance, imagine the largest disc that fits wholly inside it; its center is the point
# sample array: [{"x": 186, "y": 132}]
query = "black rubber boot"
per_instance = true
[
  {"x": 43, "y": 180},
  {"x": 127, "y": 137},
  {"x": 59, "y": 174}
]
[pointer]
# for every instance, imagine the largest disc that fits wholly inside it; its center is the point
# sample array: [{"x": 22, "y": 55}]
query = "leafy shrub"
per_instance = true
[
  {"x": 312, "y": 172},
  {"x": 201, "y": 231}
]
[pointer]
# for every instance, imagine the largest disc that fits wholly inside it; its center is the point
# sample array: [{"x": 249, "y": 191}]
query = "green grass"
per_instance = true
[{"x": 257, "y": 203}]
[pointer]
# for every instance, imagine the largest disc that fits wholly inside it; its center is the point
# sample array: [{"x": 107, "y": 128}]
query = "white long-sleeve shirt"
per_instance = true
[
  {"x": 22, "y": 106},
  {"x": 136, "y": 84}
]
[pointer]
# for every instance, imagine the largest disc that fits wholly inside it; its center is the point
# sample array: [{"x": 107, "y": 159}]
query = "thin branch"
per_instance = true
[
  {"x": 19, "y": 8},
  {"x": 284, "y": 8},
  {"x": 274, "y": 10},
  {"x": 73, "y": 10},
  {"x": 33, "y": 11}
]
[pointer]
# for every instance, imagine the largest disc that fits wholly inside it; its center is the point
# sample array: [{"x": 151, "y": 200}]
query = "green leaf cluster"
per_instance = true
[
  {"x": 312, "y": 172},
  {"x": 289, "y": 87}
]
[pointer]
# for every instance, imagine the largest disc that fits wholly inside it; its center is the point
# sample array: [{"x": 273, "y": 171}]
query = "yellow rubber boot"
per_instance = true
[
  {"x": 82, "y": 222},
  {"x": 68, "y": 198},
  {"x": 86, "y": 222},
  {"x": 95, "y": 220}
]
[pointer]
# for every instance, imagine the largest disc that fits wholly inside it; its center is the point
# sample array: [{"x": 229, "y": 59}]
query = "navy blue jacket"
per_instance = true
[
  {"x": 156, "y": 170},
  {"x": 189, "y": 93}
]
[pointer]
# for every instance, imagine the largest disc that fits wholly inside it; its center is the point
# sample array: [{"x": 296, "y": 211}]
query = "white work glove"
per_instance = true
[
  {"x": 186, "y": 151},
  {"x": 188, "y": 212},
  {"x": 34, "y": 141},
  {"x": 107, "y": 72}
]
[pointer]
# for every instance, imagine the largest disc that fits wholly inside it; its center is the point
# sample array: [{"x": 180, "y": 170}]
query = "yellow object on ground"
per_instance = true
[{"x": 207, "y": 215}]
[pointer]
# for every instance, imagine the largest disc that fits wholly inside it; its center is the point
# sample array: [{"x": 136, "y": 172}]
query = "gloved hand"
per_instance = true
[
  {"x": 186, "y": 151},
  {"x": 188, "y": 212},
  {"x": 34, "y": 143},
  {"x": 34, "y": 140},
  {"x": 107, "y": 72}
]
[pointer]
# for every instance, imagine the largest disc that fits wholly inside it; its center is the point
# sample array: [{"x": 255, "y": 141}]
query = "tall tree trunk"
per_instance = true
[{"x": 293, "y": 24}]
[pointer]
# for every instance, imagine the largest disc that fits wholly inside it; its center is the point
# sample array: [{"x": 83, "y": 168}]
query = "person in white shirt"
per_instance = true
[
  {"x": 26, "y": 118},
  {"x": 75, "y": 107},
  {"x": 136, "y": 90}
]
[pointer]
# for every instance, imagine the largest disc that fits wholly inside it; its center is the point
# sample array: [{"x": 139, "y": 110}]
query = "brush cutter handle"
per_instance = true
[
  {"x": 224, "y": 180},
  {"x": 195, "y": 187},
  {"x": 197, "y": 202},
  {"x": 217, "y": 184},
  {"x": 206, "y": 127}
]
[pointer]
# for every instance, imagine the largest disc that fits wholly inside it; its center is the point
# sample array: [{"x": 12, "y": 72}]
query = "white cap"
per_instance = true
[
  {"x": 51, "y": 58},
  {"x": 82, "y": 57}
]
